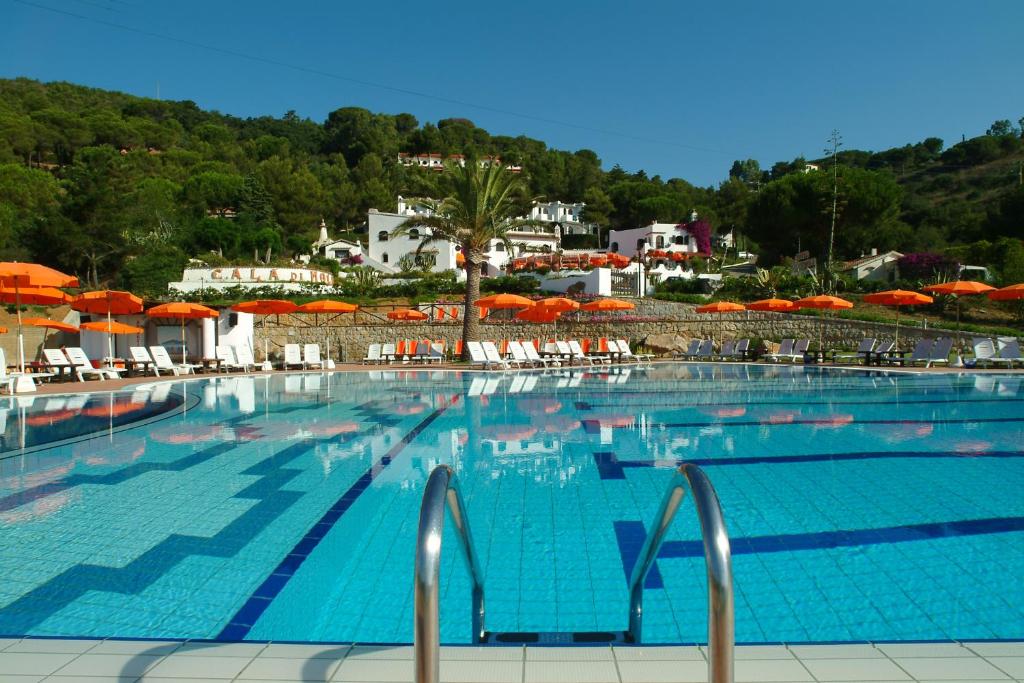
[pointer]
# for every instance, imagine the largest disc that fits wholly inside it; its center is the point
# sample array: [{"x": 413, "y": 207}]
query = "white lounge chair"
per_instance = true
[
  {"x": 243, "y": 354},
  {"x": 436, "y": 352},
  {"x": 140, "y": 355},
  {"x": 311, "y": 356},
  {"x": 57, "y": 362},
  {"x": 519, "y": 354},
  {"x": 387, "y": 353},
  {"x": 1010, "y": 354},
  {"x": 373, "y": 354},
  {"x": 534, "y": 356},
  {"x": 626, "y": 353},
  {"x": 493, "y": 357},
  {"x": 163, "y": 361},
  {"x": 293, "y": 356},
  {"x": 864, "y": 349},
  {"x": 83, "y": 366},
  {"x": 421, "y": 352},
  {"x": 577, "y": 353},
  {"x": 8, "y": 379},
  {"x": 226, "y": 356},
  {"x": 476, "y": 354},
  {"x": 984, "y": 352}
]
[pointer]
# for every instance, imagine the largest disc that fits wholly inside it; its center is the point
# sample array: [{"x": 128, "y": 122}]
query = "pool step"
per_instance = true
[{"x": 556, "y": 638}]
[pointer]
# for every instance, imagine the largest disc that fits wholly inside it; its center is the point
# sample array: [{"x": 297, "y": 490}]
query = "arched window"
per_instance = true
[
  {"x": 679, "y": 239},
  {"x": 382, "y": 236},
  {"x": 614, "y": 247},
  {"x": 640, "y": 244},
  {"x": 383, "y": 258},
  {"x": 500, "y": 246},
  {"x": 414, "y": 234},
  {"x": 661, "y": 242}
]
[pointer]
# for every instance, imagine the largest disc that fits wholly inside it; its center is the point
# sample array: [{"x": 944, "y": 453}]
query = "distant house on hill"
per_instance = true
[{"x": 875, "y": 267}]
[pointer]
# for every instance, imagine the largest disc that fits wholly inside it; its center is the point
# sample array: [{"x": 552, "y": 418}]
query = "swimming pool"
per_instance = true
[{"x": 861, "y": 506}]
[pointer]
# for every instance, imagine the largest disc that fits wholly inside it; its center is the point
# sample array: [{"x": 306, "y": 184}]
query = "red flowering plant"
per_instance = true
[
  {"x": 700, "y": 229},
  {"x": 925, "y": 266}
]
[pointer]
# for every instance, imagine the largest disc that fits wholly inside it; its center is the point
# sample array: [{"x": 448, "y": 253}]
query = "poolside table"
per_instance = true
[
  {"x": 131, "y": 364},
  {"x": 210, "y": 362}
]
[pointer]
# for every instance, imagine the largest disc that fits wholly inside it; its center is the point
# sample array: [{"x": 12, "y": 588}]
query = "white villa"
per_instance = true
[
  {"x": 339, "y": 250},
  {"x": 670, "y": 237},
  {"x": 876, "y": 267}
]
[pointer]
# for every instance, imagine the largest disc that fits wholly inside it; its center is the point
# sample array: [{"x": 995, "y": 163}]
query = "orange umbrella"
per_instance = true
[
  {"x": 42, "y": 295},
  {"x": 771, "y": 305},
  {"x": 407, "y": 314},
  {"x": 538, "y": 314},
  {"x": 959, "y": 288},
  {"x": 326, "y": 306},
  {"x": 1011, "y": 293},
  {"x": 558, "y": 303},
  {"x": 182, "y": 311},
  {"x": 897, "y": 298},
  {"x": 108, "y": 302},
  {"x": 721, "y": 307},
  {"x": 3, "y": 330},
  {"x": 607, "y": 305},
  {"x": 15, "y": 274},
  {"x": 501, "y": 301},
  {"x": 111, "y": 327},
  {"x": 265, "y": 307},
  {"x": 51, "y": 324},
  {"x": 822, "y": 302}
]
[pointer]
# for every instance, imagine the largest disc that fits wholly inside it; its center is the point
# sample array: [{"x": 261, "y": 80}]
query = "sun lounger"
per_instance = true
[
  {"x": 243, "y": 354},
  {"x": 83, "y": 366},
  {"x": 785, "y": 350},
  {"x": 311, "y": 357},
  {"x": 626, "y": 353},
  {"x": 576, "y": 352},
  {"x": 939, "y": 352},
  {"x": 725, "y": 353},
  {"x": 226, "y": 356},
  {"x": 534, "y": 356},
  {"x": 8, "y": 379},
  {"x": 141, "y": 356},
  {"x": 477, "y": 355},
  {"x": 388, "y": 353},
  {"x": 739, "y": 351},
  {"x": 920, "y": 354},
  {"x": 706, "y": 350},
  {"x": 864, "y": 349},
  {"x": 984, "y": 352},
  {"x": 1010, "y": 354},
  {"x": 492, "y": 356},
  {"x": 293, "y": 356},
  {"x": 373, "y": 354},
  {"x": 691, "y": 350},
  {"x": 57, "y": 362},
  {"x": 519, "y": 354},
  {"x": 436, "y": 352},
  {"x": 163, "y": 361}
]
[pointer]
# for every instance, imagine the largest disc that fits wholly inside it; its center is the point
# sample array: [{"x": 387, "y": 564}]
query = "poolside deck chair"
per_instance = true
[
  {"x": 387, "y": 353},
  {"x": 725, "y": 353},
  {"x": 706, "y": 350},
  {"x": 226, "y": 356},
  {"x": 57, "y": 362},
  {"x": 984, "y": 352},
  {"x": 436, "y": 352},
  {"x": 83, "y": 366},
  {"x": 8, "y": 379},
  {"x": 1010, "y": 354},
  {"x": 577, "y": 354},
  {"x": 518, "y": 354},
  {"x": 626, "y": 353},
  {"x": 140, "y": 354},
  {"x": 243, "y": 354},
  {"x": 311, "y": 357},
  {"x": 293, "y": 356},
  {"x": 534, "y": 357},
  {"x": 739, "y": 351},
  {"x": 477, "y": 355},
  {"x": 921, "y": 354},
  {"x": 785, "y": 350},
  {"x": 866, "y": 346},
  {"x": 493, "y": 357},
  {"x": 691, "y": 350},
  {"x": 373, "y": 354},
  {"x": 939, "y": 354},
  {"x": 420, "y": 352},
  {"x": 163, "y": 361}
]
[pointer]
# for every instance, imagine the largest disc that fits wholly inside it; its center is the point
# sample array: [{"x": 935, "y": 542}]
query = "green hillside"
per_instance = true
[{"x": 123, "y": 190}]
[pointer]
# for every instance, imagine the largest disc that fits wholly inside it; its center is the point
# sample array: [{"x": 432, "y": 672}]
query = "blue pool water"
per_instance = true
[{"x": 861, "y": 506}]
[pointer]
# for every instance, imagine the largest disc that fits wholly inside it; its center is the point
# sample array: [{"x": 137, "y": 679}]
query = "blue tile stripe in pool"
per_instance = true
[{"x": 241, "y": 623}]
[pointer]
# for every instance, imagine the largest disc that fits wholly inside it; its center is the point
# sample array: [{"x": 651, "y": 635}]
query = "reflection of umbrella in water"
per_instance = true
[
  {"x": 726, "y": 411},
  {"x": 175, "y": 434},
  {"x": 40, "y": 507},
  {"x": 49, "y": 417},
  {"x": 331, "y": 428},
  {"x": 896, "y": 433},
  {"x": 508, "y": 432},
  {"x": 123, "y": 449},
  {"x": 114, "y": 408},
  {"x": 410, "y": 408},
  {"x": 969, "y": 447},
  {"x": 548, "y": 406},
  {"x": 561, "y": 424},
  {"x": 780, "y": 417},
  {"x": 834, "y": 421}
]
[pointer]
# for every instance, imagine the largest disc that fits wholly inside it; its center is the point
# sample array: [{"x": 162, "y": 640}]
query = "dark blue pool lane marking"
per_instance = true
[
  {"x": 586, "y": 405},
  {"x": 241, "y": 623},
  {"x": 825, "y": 540},
  {"x": 630, "y": 537},
  {"x": 610, "y": 467},
  {"x": 594, "y": 426}
]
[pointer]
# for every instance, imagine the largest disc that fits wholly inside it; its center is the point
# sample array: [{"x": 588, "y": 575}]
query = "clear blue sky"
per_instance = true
[{"x": 699, "y": 84}]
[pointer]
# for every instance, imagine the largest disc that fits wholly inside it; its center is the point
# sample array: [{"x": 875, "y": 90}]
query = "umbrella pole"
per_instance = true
[
  {"x": 896, "y": 345},
  {"x": 21, "y": 338},
  {"x": 183, "y": 361}
]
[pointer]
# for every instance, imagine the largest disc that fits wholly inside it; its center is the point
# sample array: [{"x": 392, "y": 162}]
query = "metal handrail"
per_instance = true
[
  {"x": 717, "y": 557},
  {"x": 442, "y": 487}
]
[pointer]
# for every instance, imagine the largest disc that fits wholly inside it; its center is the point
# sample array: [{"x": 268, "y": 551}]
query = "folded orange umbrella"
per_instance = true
[
  {"x": 111, "y": 327},
  {"x": 407, "y": 314},
  {"x": 771, "y": 305},
  {"x": 51, "y": 324}
]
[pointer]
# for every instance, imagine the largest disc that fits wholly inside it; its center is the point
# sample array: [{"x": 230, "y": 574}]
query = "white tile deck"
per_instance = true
[{"x": 57, "y": 661}]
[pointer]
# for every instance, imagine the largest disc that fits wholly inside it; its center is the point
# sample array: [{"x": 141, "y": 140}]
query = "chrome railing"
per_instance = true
[
  {"x": 442, "y": 488},
  {"x": 717, "y": 557}
]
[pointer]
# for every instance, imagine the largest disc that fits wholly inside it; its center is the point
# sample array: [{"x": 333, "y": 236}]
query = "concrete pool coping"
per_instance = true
[
  {"x": 65, "y": 660},
  {"x": 110, "y": 385}
]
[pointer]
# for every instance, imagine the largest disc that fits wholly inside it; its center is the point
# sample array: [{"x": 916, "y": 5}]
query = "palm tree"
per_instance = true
[{"x": 482, "y": 207}]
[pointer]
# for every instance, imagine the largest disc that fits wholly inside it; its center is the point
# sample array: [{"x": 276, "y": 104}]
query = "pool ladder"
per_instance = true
[{"x": 443, "y": 490}]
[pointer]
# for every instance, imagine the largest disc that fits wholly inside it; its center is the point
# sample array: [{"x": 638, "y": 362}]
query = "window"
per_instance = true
[
  {"x": 661, "y": 242},
  {"x": 383, "y": 258},
  {"x": 678, "y": 239},
  {"x": 500, "y": 246},
  {"x": 614, "y": 247},
  {"x": 382, "y": 236},
  {"x": 640, "y": 244},
  {"x": 414, "y": 234}
]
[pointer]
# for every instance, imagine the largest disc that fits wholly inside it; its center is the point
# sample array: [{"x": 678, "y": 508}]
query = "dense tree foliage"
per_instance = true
[{"x": 122, "y": 190}]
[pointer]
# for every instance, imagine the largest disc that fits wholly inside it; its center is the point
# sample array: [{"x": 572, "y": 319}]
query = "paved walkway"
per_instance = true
[{"x": 87, "y": 661}]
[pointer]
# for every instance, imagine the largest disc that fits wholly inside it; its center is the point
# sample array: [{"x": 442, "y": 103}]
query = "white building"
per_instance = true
[
  {"x": 568, "y": 216},
  {"x": 339, "y": 250},
  {"x": 246, "y": 277},
  {"x": 436, "y": 161},
  {"x": 670, "y": 237},
  {"x": 876, "y": 267}
]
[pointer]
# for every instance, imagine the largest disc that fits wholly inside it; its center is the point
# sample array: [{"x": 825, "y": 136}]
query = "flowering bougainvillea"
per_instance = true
[
  {"x": 927, "y": 266},
  {"x": 700, "y": 229}
]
